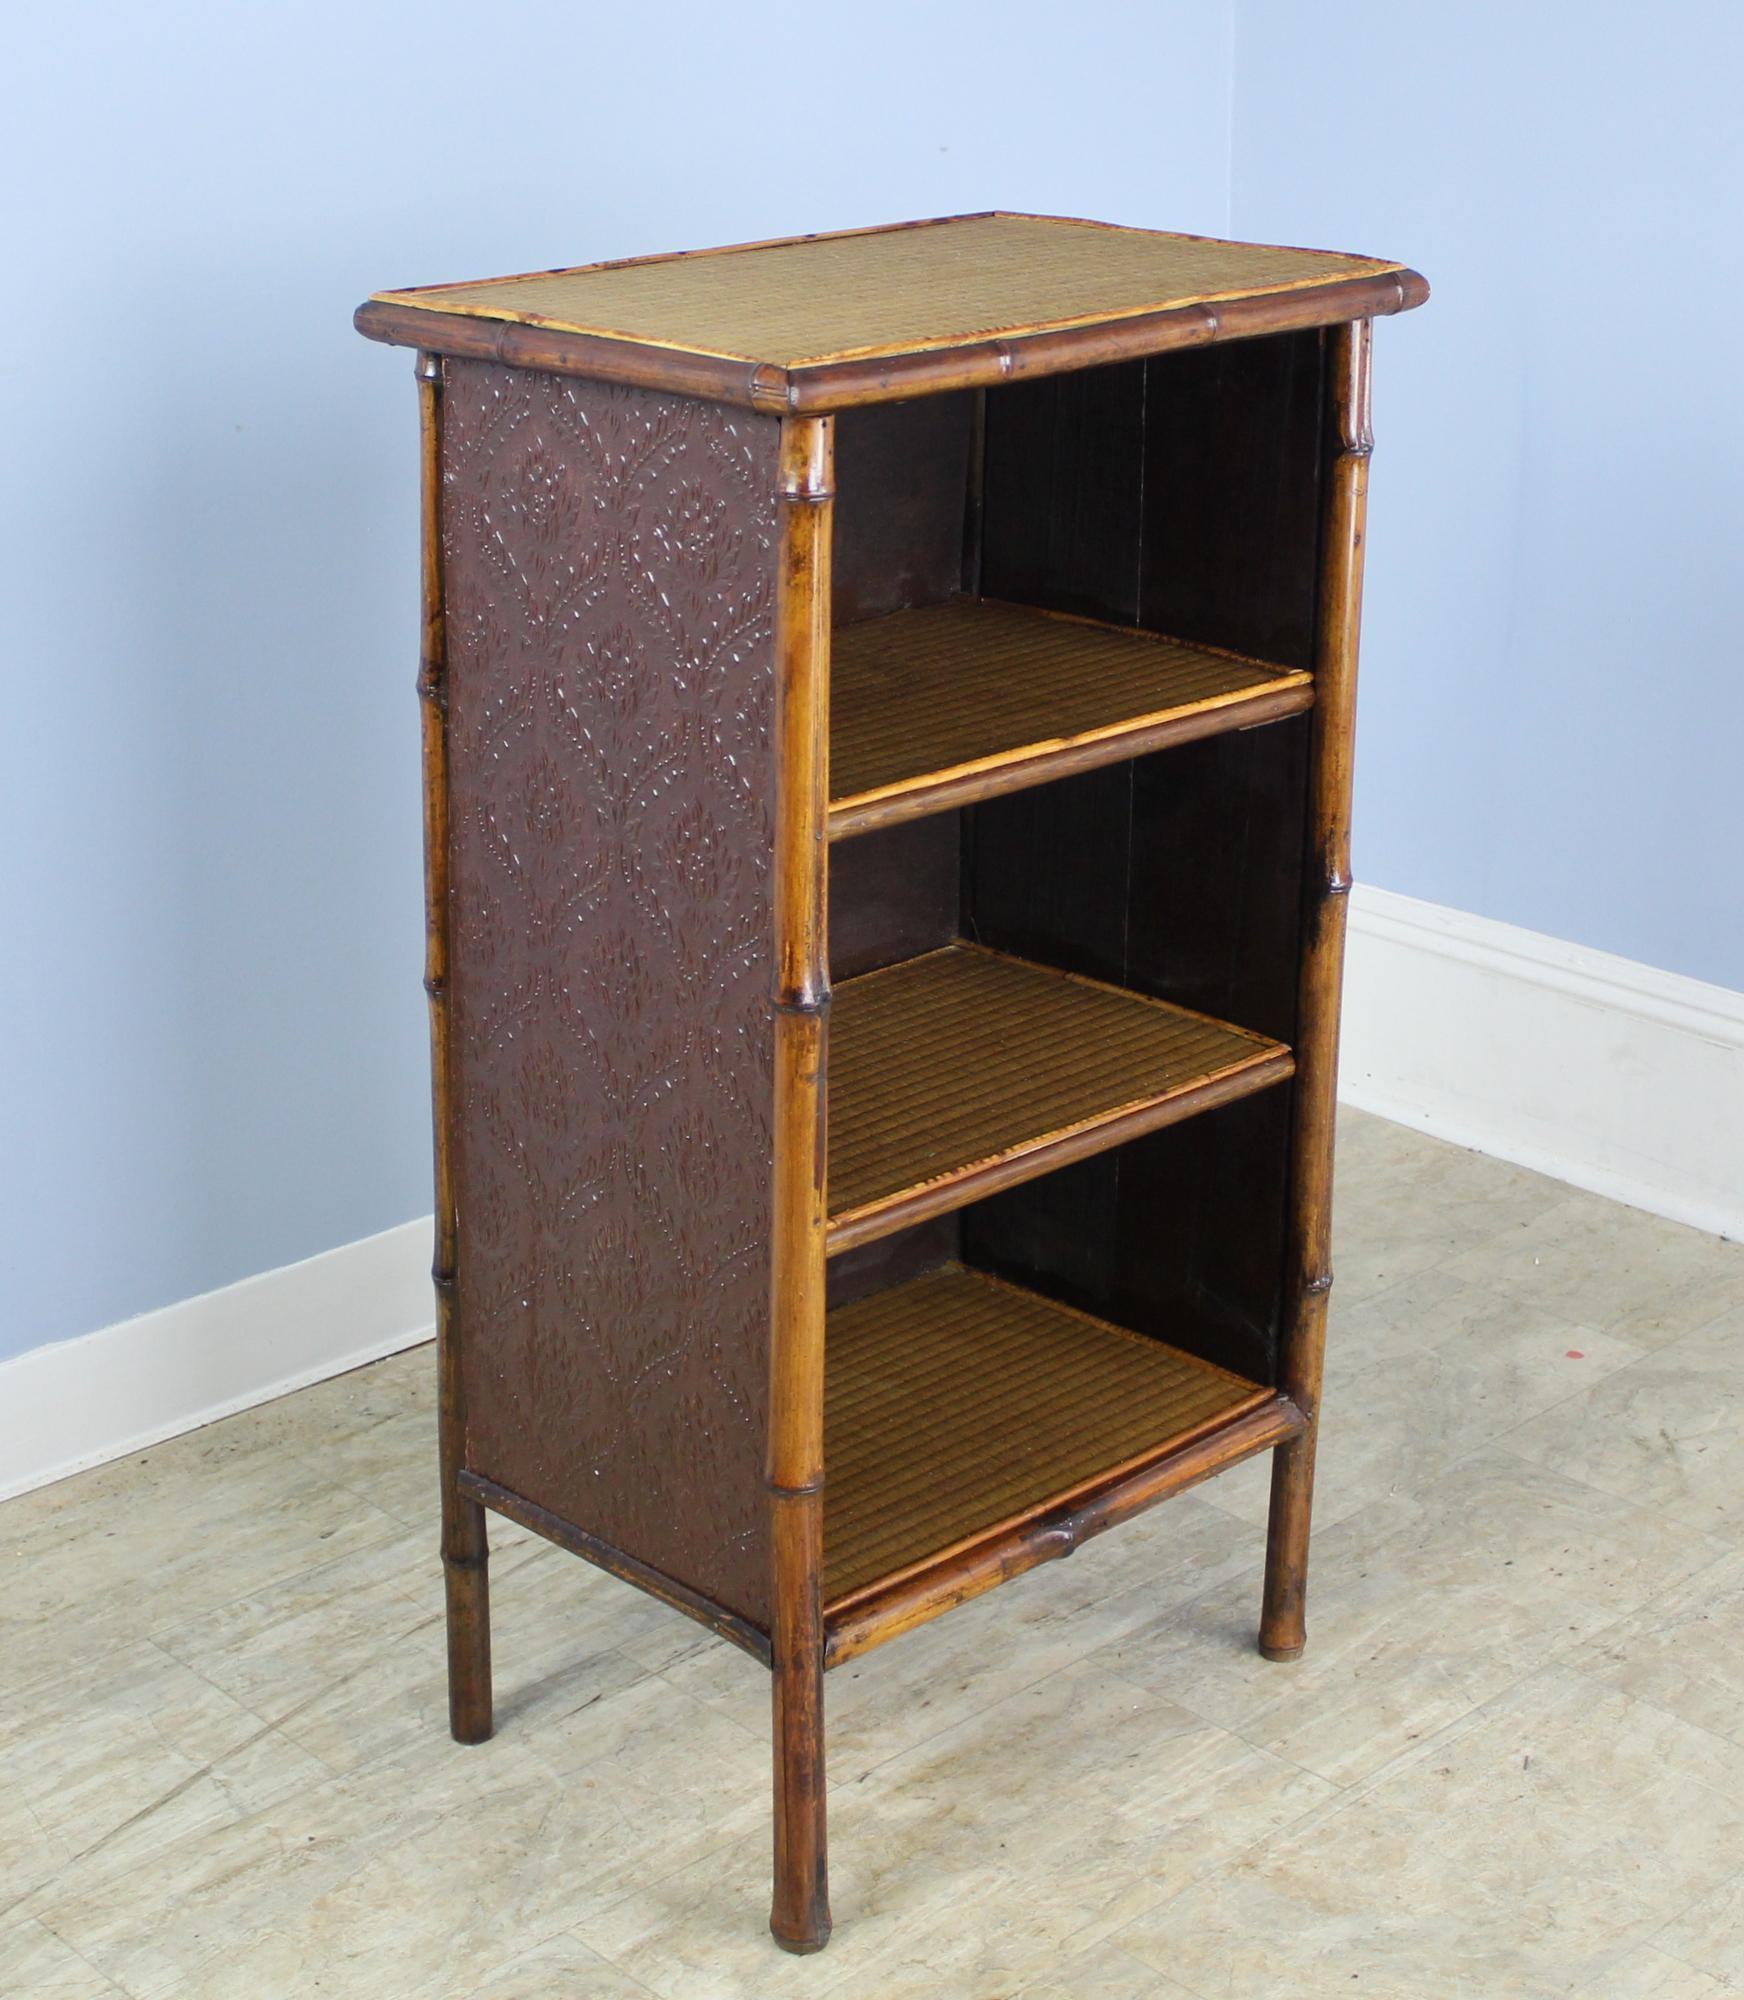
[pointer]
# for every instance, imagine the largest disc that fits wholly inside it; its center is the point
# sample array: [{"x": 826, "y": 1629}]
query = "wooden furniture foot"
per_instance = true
[
  {"x": 466, "y": 1575},
  {"x": 800, "y": 1915},
  {"x": 1283, "y": 1619}
]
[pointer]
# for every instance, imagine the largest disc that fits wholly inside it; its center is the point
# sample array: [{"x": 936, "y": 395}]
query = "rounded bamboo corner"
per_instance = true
[
  {"x": 802, "y": 1943},
  {"x": 1283, "y": 1654},
  {"x": 469, "y": 1726}
]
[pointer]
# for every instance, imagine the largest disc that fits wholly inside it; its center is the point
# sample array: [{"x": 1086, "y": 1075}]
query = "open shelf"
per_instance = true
[
  {"x": 967, "y": 1414},
  {"x": 964, "y": 1071},
  {"x": 936, "y": 707}
]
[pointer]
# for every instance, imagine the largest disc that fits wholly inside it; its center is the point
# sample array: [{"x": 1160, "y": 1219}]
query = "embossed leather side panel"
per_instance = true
[{"x": 610, "y": 586}]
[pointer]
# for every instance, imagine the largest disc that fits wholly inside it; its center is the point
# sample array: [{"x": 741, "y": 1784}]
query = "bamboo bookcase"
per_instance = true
[{"x": 887, "y": 738}]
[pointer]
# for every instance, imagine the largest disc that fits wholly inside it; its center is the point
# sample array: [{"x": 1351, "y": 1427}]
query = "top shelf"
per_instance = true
[
  {"x": 825, "y": 322},
  {"x": 935, "y": 708}
]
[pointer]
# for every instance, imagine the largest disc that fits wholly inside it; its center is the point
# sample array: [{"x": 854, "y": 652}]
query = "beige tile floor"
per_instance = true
[{"x": 1512, "y": 1763}]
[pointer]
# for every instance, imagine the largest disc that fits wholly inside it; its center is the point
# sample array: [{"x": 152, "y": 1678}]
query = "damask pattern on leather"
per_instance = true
[{"x": 610, "y": 596}]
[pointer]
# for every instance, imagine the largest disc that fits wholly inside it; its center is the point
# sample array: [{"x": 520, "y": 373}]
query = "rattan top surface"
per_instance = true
[{"x": 909, "y": 289}]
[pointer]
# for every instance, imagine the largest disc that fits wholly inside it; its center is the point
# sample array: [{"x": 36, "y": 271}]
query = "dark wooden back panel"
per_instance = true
[
  {"x": 1180, "y": 494},
  {"x": 902, "y": 472},
  {"x": 894, "y": 893},
  {"x": 1063, "y": 490},
  {"x": 610, "y": 561},
  {"x": 1232, "y": 469}
]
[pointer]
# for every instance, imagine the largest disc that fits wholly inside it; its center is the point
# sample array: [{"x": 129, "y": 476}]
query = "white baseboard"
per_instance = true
[
  {"x": 81, "y": 1402},
  {"x": 1604, "y": 1073}
]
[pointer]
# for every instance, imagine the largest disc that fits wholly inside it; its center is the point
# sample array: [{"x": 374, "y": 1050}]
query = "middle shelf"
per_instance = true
[
  {"x": 964, "y": 1071},
  {"x": 934, "y": 707}
]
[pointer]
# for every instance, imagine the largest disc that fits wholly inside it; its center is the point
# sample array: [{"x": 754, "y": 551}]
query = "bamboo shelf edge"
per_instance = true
[
  {"x": 843, "y": 385},
  {"x": 1063, "y": 757},
  {"x": 1096, "y": 693},
  {"x": 1002, "y": 1021},
  {"x": 926, "y": 1590},
  {"x": 848, "y": 1230}
]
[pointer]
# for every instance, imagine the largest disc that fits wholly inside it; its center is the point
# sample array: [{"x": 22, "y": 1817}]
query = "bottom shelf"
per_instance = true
[{"x": 964, "y": 1413}]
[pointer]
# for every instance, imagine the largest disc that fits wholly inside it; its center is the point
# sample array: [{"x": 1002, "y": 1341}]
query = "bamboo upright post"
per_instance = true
[
  {"x": 465, "y": 1551},
  {"x": 800, "y": 1915},
  {"x": 1283, "y": 1626}
]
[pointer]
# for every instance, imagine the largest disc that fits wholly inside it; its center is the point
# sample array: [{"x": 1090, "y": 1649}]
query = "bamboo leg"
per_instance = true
[
  {"x": 464, "y": 1549},
  {"x": 466, "y": 1577},
  {"x": 800, "y": 1914},
  {"x": 465, "y": 1552},
  {"x": 1283, "y": 1620}
]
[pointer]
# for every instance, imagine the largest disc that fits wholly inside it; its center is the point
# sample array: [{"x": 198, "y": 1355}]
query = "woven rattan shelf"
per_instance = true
[
  {"x": 966, "y": 1070},
  {"x": 959, "y": 1407},
  {"x": 883, "y": 985},
  {"x": 936, "y": 707}
]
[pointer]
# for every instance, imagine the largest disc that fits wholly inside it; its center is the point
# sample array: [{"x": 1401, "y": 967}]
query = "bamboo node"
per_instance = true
[
  {"x": 806, "y": 999},
  {"x": 1319, "y": 1286},
  {"x": 802, "y": 1492},
  {"x": 1067, "y": 1536},
  {"x": 807, "y": 471},
  {"x": 801, "y": 492}
]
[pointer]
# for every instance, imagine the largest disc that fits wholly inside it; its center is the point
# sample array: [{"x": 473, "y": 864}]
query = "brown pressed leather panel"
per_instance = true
[{"x": 610, "y": 594}]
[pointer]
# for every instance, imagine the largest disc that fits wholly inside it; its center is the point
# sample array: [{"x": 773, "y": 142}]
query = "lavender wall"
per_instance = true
[{"x": 209, "y": 876}]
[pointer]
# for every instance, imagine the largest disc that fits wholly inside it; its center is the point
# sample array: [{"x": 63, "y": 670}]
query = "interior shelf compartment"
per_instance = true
[
  {"x": 964, "y": 1070},
  {"x": 934, "y": 707},
  {"x": 974, "y": 1428}
]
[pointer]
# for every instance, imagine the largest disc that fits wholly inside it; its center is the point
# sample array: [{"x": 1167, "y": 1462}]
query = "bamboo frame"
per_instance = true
[
  {"x": 836, "y": 385},
  {"x": 800, "y": 1912},
  {"x": 465, "y": 1546},
  {"x": 808, "y": 1633},
  {"x": 1308, "y": 1277}
]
